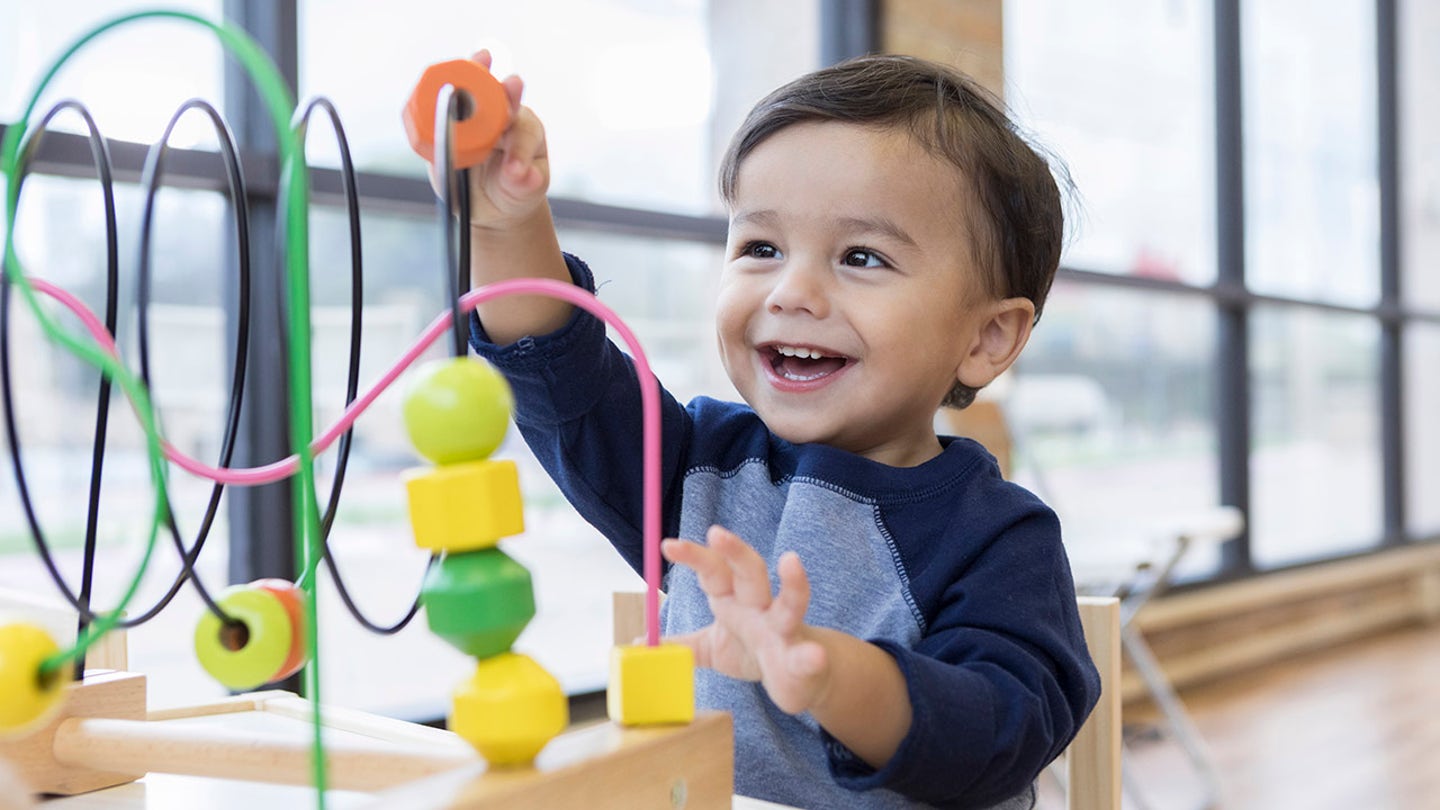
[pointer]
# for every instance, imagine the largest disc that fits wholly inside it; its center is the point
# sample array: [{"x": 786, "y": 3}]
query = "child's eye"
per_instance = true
[
  {"x": 860, "y": 257},
  {"x": 760, "y": 250}
]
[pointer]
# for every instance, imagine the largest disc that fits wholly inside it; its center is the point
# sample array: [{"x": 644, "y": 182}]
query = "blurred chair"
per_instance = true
[
  {"x": 1092, "y": 761},
  {"x": 1134, "y": 572}
]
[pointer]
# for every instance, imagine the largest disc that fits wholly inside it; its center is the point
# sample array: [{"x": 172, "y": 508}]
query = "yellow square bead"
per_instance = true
[
  {"x": 651, "y": 685},
  {"x": 465, "y": 507}
]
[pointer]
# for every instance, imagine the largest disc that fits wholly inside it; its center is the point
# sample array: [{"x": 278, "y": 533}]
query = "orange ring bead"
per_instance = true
[
  {"x": 289, "y": 595},
  {"x": 476, "y": 133}
]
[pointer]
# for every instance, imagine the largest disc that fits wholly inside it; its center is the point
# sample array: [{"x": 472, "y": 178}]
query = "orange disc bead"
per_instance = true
[
  {"x": 289, "y": 595},
  {"x": 477, "y": 132}
]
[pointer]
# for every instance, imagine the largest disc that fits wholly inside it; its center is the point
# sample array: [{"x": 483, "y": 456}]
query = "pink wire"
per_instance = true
[{"x": 649, "y": 407}]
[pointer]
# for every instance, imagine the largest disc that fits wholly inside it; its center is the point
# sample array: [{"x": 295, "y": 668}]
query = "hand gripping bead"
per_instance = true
[{"x": 477, "y": 132}]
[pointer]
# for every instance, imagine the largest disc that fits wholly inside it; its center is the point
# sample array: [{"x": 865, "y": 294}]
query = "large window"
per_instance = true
[
  {"x": 636, "y": 116},
  {"x": 1116, "y": 394},
  {"x": 1315, "y": 440},
  {"x": 1248, "y": 301},
  {"x": 1121, "y": 93},
  {"x": 1312, "y": 208},
  {"x": 1419, "y": 137},
  {"x": 169, "y": 61},
  {"x": 60, "y": 237},
  {"x": 636, "y": 98},
  {"x": 1232, "y": 155}
]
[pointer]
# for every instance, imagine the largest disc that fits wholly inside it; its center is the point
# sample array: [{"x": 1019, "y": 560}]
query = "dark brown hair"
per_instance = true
[{"x": 1017, "y": 222}]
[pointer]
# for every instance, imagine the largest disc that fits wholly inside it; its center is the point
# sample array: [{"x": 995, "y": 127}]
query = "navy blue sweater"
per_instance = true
[{"x": 958, "y": 574}]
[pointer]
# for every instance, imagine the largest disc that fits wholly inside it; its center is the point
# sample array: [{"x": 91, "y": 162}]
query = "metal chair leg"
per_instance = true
[{"x": 1178, "y": 721}]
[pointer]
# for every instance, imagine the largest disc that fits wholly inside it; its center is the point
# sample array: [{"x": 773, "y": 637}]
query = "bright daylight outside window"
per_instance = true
[
  {"x": 1118, "y": 386},
  {"x": 60, "y": 237},
  {"x": 1420, "y": 246},
  {"x": 638, "y": 98},
  {"x": 638, "y": 101},
  {"x": 1312, "y": 230}
]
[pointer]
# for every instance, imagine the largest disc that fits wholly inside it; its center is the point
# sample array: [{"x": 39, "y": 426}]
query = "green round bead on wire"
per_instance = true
[
  {"x": 457, "y": 410},
  {"x": 479, "y": 601}
]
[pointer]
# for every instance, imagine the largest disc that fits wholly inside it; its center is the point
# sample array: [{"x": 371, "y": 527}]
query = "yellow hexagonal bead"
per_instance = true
[
  {"x": 651, "y": 685},
  {"x": 509, "y": 709},
  {"x": 465, "y": 507}
]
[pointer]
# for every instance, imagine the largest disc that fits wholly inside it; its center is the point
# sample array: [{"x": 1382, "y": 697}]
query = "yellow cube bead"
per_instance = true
[
  {"x": 651, "y": 685},
  {"x": 465, "y": 507},
  {"x": 509, "y": 709}
]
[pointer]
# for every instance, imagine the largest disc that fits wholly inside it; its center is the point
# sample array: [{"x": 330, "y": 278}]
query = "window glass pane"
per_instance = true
[
  {"x": 132, "y": 78},
  {"x": 60, "y": 237},
  {"x": 1420, "y": 152},
  {"x": 666, "y": 291},
  {"x": 629, "y": 92},
  {"x": 1422, "y": 439},
  {"x": 1114, "y": 396},
  {"x": 1312, "y": 218},
  {"x": 1123, "y": 94},
  {"x": 660, "y": 287},
  {"x": 1315, "y": 452}
]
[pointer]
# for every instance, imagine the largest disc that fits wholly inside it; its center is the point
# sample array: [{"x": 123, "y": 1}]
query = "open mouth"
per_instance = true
[{"x": 801, "y": 363}]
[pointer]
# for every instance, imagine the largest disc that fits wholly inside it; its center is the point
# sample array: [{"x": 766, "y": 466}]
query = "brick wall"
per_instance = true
[{"x": 968, "y": 34}]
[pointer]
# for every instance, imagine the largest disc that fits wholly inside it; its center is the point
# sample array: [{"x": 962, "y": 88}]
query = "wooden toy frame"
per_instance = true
[{"x": 104, "y": 737}]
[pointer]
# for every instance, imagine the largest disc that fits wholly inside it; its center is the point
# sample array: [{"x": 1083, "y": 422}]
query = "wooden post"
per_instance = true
[{"x": 1093, "y": 760}]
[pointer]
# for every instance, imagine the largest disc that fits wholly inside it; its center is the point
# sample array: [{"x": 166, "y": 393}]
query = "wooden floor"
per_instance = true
[{"x": 1351, "y": 728}]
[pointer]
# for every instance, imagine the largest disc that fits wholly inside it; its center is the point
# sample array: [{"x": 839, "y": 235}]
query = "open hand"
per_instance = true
[{"x": 756, "y": 636}]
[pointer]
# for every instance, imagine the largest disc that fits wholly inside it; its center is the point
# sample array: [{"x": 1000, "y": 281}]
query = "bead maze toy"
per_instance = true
[{"x": 67, "y": 735}]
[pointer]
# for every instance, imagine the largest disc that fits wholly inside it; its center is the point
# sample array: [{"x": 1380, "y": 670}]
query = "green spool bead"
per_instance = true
[
  {"x": 457, "y": 410},
  {"x": 479, "y": 601}
]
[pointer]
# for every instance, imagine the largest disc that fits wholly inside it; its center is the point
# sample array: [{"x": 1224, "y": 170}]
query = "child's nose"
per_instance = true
[{"x": 801, "y": 286}]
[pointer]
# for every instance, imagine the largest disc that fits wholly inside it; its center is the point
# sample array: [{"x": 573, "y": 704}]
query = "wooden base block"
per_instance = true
[
  {"x": 601, "y": 767},
  {"x": 102, "y": 694}
]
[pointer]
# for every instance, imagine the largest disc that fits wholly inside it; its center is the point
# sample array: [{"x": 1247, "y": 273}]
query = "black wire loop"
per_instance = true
[
  {"x": 352, "y": 378},
  {"x": 455, "y": 192}
]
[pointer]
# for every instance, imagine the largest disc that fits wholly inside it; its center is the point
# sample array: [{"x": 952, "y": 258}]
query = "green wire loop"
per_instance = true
[{"x": 280, "y": 104}]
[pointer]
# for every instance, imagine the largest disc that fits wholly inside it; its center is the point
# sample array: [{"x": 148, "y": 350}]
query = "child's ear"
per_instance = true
[{"x": 995, "y": 345}]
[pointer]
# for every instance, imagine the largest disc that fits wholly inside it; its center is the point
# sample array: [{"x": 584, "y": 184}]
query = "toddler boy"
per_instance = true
[{"x": 891, "y": 244}]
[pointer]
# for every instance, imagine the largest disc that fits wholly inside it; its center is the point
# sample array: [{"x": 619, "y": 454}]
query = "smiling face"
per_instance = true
[{"x": 850, "y": 303}]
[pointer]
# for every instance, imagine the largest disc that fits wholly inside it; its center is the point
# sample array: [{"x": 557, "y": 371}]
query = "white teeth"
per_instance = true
[
  {"x": 800, "y": 377},
  {"x": 801, "y": 352}
]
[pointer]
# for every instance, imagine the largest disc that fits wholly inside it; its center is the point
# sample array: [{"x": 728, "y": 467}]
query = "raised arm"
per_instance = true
[{"x": 512, "y": 234}]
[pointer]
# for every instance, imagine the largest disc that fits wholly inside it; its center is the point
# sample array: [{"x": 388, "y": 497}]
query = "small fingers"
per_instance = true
[
  {"x": 699, "y": 644},
  {"x": 805, "y": 660},
  {"x": 748, "y": 571},
  {"x": 523, "y": 145},
  {"x": 514, "y": 88},
  {"x": 708, "y": 565},
  {"x": 794, "y": 597}
]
